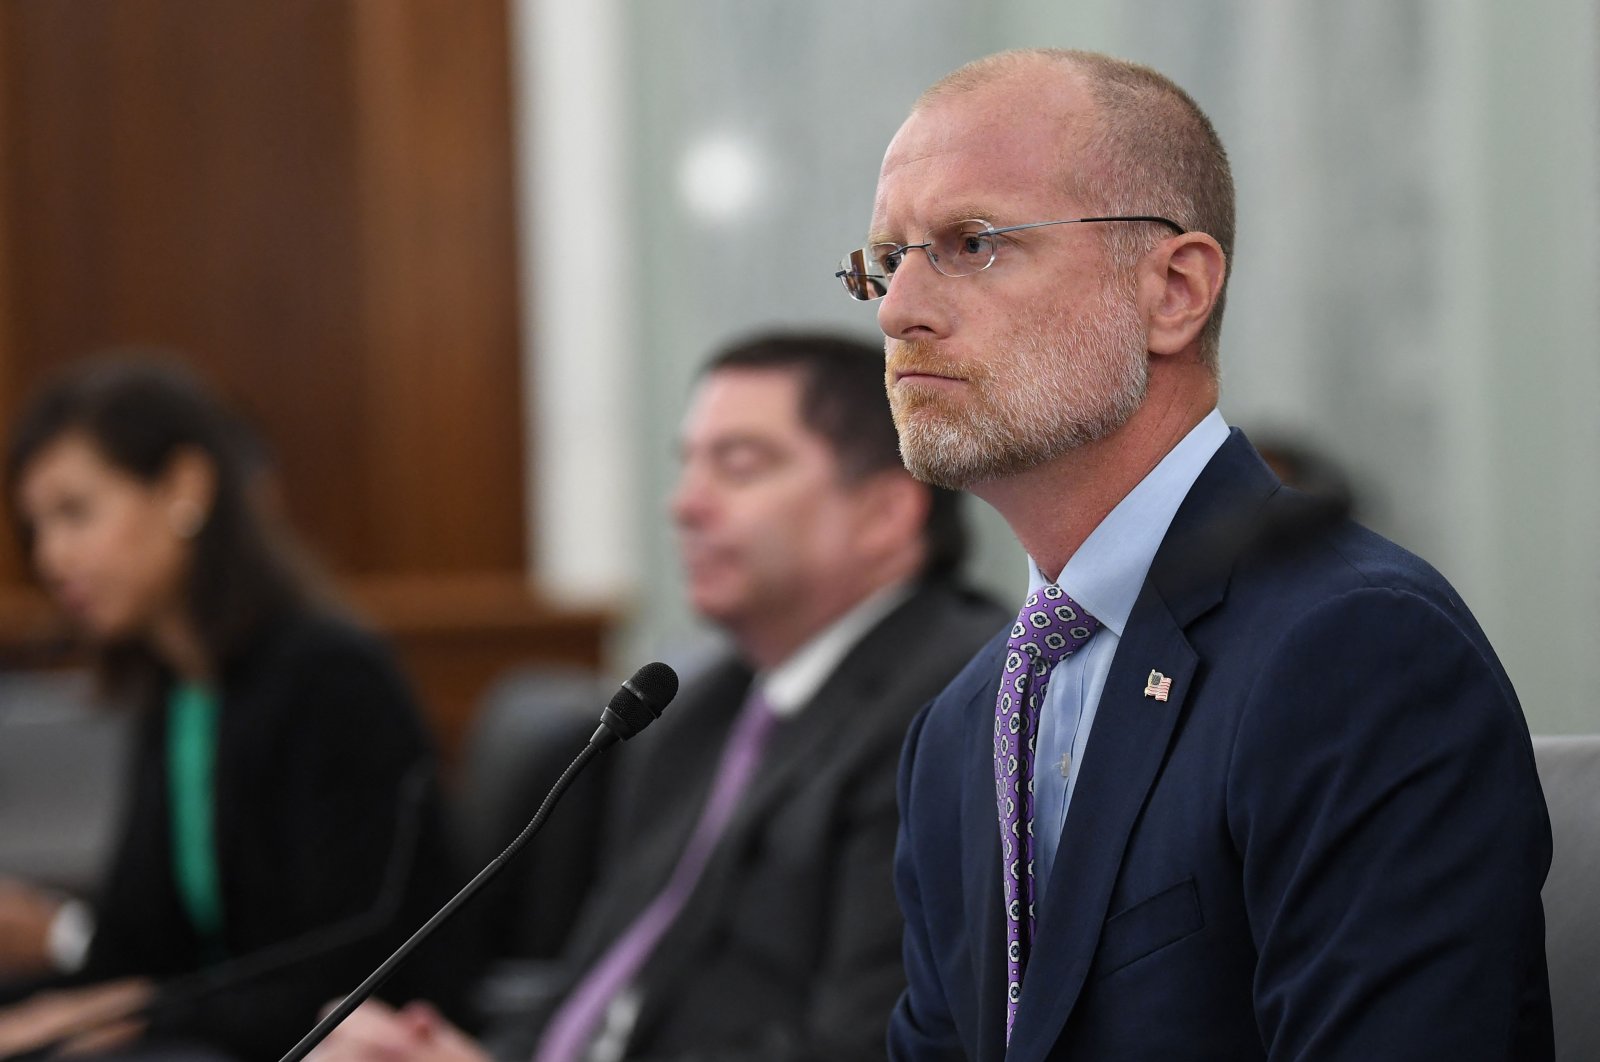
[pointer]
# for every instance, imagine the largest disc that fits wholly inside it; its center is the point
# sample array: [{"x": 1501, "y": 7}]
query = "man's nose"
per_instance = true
[
  {"x": 690, "y": 500},
  {"x": 915, "y": 306}
]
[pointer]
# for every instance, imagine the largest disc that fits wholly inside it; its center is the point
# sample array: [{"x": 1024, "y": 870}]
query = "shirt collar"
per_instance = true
[
  {"x": 1107, "y": 571},
  {"x": 791, "y": 685}
]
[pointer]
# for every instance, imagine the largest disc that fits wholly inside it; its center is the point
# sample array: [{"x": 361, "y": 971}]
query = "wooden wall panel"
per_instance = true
[
  {"x": 10, "y": 563},
  {"x": 189, "y": 182},
  {"x": 434, "y": 167},
  {"x": 314, "y": 200}
]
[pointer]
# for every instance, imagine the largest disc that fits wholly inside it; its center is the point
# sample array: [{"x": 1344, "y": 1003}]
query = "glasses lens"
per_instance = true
[
  {"x": 961, "y": 249},
  {"x": 862, "y": 276}
]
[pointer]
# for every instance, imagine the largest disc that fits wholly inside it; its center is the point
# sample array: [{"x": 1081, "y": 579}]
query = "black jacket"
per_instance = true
[
  {"x": 789, "y": 946},
  {"x": 317, "y": 737}
]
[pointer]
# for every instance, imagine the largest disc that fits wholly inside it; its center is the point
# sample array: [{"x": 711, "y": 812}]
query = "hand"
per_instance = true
[
  {"x": 94, "y": 1018},
  {"x": 416, "y": 1032},
  {"x": 26, "y": 914}
]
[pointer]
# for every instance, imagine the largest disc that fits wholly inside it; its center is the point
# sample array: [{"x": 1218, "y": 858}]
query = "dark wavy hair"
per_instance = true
[
  {"x": 842, "y": 399},
  {"x": 141, "y": 411}
]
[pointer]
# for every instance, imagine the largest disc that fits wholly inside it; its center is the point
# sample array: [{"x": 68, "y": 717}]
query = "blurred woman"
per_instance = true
[{"x": 269, "y": 799}]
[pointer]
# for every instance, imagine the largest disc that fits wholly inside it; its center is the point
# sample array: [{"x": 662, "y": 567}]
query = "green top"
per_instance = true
[{"x": 191, "y": 770}]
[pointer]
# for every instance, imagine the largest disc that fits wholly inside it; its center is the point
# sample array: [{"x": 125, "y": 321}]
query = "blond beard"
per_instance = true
[{"x": 1062, "y": 384}]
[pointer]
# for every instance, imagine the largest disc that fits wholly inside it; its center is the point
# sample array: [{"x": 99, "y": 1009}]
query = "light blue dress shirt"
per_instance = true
[{"x": 1104, "y": 576}]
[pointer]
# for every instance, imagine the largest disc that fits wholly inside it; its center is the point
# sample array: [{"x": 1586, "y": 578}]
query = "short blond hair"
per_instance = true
[{"x": 1151, "y": 150}]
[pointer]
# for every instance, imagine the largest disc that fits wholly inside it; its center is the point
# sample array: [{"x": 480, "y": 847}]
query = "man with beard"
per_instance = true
[
  {"x": 1244, "y": 780},
  {"x": 746, "y": 908}
]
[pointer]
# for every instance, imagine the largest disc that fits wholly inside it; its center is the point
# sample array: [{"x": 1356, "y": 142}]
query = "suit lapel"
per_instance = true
[
  {"x": 842, "y": 706},
  {"x": 793, "y": 750},
  {"x": 1132, "y": 733},
  {"x": 980, "y": 865},
  {"x": 845, "y": 701},
  {"x": 1124, "y": 755}
]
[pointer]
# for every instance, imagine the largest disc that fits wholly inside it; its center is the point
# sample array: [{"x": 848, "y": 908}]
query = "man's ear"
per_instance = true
[
  {"x": 1179, "y": 284},
  {"x": 894, "y": 508}
]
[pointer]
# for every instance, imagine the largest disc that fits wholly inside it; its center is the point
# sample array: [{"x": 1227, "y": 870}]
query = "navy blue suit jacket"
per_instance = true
[{"x": 1327, "y": 843}]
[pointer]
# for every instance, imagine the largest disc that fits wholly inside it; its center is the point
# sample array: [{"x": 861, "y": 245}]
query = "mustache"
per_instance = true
[{"x": 924, "y": 358}]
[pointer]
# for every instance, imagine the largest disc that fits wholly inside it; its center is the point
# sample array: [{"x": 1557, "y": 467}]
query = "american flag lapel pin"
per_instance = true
[{"x": 1157, "y": 686}]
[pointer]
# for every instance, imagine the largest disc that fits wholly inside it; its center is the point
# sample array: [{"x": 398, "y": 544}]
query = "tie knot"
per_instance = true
[
  {"x": 756, "y": 719},
  {"x": 1050, "y": 627}
]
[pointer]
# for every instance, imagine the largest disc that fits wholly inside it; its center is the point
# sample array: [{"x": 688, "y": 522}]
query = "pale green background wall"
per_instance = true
[{"x": 1416, "y": 286}]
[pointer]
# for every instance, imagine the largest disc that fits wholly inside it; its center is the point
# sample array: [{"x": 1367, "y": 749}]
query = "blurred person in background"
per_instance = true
[
  {"x": 281, "y": 778},
  {"x": 1301, "y": 464},
  {"x": 745, "y": 909}
]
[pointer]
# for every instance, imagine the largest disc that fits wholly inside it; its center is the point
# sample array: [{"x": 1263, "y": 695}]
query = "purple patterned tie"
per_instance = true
[
  {"x": 575, "y": 1023},
  {"x": 1050, "y": 627}
]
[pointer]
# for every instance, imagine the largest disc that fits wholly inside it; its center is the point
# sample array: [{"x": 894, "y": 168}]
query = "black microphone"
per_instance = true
[
  {"x": 636, "y": 704},
  {"x": 632, "y": 708}
]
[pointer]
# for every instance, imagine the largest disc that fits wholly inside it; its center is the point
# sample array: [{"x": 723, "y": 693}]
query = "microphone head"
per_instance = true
[{"x": 641, "y": 699}]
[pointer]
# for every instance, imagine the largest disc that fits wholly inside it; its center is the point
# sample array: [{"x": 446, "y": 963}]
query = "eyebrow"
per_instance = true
[
  {"x": 949, "y": 216},
  {"x": 724, "y": 444},
  {"x": 744, "y": 441}
]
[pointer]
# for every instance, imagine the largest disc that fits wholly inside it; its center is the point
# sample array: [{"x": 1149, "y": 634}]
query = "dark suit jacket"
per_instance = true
[
  {"x": 788, "y": 948},
  {"x": 316, "y": 734},
  {"x": 1328, "y": 843}
]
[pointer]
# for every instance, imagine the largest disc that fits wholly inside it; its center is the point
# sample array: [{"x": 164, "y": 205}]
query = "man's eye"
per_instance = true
[
  {"x": 743, "y": 464},
  {"x": 891, "y": 261}
]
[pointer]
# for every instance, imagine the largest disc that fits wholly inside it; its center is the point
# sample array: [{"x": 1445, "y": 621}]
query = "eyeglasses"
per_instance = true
[{"x": 959, "y": 249}]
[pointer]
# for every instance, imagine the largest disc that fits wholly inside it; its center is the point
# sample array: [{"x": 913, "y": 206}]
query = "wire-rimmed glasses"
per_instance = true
[{"x": 959, "y": 249}]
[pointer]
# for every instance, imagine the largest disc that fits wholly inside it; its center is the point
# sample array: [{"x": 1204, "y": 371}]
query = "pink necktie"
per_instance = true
[{"x": 576, "y": 1022}]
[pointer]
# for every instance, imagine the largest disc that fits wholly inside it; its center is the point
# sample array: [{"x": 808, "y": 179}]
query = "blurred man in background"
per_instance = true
[
  {"x": 746, "y": 909},
  {"x": 1244, "y": 781}
]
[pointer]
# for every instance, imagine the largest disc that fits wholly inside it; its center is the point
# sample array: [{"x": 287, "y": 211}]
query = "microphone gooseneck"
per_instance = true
[{"x": 633, "y": 707}]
